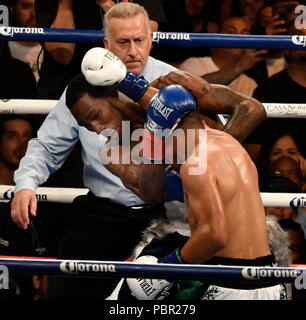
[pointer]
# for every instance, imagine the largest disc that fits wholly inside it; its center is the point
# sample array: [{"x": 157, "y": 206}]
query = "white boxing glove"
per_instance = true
[
  {"x": 101, "y": 67},
  {"x": 149, "y": 289}
]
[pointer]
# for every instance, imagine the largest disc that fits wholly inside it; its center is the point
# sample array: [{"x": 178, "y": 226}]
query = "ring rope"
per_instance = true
[
  {"x": 217, "y": 40},
  {"x": 35, "y": 106},
  {"x": 67, "y": 195},
  {"x": 61, "y": 195},
  {"x": 27, "y": 106},
  {"x": 92, "y": 268}
]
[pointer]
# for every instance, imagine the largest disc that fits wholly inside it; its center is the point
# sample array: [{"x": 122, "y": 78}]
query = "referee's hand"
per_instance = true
[{"x": 23, "y": 204}]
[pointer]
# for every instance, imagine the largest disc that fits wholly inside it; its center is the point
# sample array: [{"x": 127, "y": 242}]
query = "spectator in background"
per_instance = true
[
  {"x": 227, "y": 66},
  {"x": 287, "y": 167},
  {"x": 278, "y": 144},
  {"x": 15, "y": 132},
  {"x": 296, "y": 239},
  {"x": 272, "y": 19},
  {"x": 190, "y": 16},
  {"x": 249, "y": 9},
  {"x": 246, "y": 9},
  {"x": 268, "y": 23},
  {"x": 44, "y": 234},
  {"x": 17, "y": 79},
  {"x": 62, "y": 60},
  {"x": 285, "y": 175},
  {"x": 279, "y": 185},
  {"x": 23, "y": 15},
  {"x": 297, "y": 247},
  {"x": 287, "y": 86}
]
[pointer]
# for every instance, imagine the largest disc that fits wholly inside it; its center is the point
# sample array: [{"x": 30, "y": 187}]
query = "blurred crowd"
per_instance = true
[{"x": 41, "y": 70}]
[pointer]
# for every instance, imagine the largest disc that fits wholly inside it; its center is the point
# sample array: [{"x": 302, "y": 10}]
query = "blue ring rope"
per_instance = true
[
  {"x": 87, "y": 268},
  {"x": 284, "y": 42}
]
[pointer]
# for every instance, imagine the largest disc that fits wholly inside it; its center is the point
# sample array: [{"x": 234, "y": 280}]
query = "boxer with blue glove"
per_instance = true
[
  {"x": 165, "y": 108},
  {"x": 223, "y": 204}
]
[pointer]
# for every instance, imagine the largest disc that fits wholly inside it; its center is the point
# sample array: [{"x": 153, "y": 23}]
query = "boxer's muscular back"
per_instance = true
[{"x": 236, "y": 180}]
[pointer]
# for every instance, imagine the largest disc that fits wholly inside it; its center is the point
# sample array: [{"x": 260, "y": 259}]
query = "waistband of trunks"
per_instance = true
[
  {"x": 264, "y": 261},
  {"x": 268, "y": 261}
]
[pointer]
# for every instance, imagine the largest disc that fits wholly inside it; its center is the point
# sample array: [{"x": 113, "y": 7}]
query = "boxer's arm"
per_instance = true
[
  {"x": 206, "y": 216},
  {"x": 145, "y": 180},
  {"x": 246, "y": 112}
]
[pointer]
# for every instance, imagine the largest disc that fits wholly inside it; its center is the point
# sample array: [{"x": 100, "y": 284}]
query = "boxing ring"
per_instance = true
[{"x": 82, "y": 268}]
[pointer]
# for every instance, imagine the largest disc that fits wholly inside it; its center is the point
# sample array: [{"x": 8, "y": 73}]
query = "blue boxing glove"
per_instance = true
[
  {"x": 174, "y": 187},
  {"x": 174, "y": 257},
  {"x": 166, "y": 109},
  {"x": 133, "y": 86}
]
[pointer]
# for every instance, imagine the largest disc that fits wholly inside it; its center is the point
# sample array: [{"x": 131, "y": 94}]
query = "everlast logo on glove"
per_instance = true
[
  {"x": 159, "y": 106},
  {"x": 146, "y": 287},
  {"x": 155, "y": 289}
]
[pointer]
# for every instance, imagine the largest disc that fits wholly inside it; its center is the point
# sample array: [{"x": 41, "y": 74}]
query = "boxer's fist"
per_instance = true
[
  {"x": 133, "y": 86},
  {"x": 149, "y": 289},
  {"x": 101, "y": 67},
  {"x": 167, "y": 108}
]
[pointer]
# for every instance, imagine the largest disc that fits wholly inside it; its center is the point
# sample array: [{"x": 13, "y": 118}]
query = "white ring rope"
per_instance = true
[
  {"x": 61, "y": 195},
  {"x": 20, "y": 106},
  {"x": 66, "y": 195},
  {"x": 29, "y": 106}
]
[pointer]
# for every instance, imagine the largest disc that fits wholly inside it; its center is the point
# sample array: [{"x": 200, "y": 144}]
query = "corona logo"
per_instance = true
[
  {"x": 299, "y": 40},
  {"x": 72, "y": 267},
  {"x": 253, "y": 273},
  {"x": 8, "y": 194},
  {"x": 170, "y": 35},
  {"x": 10, "y": 31},
  {"x": 298, "y": 202}
]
